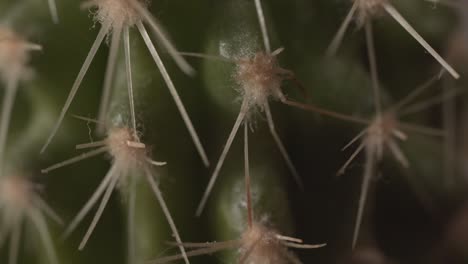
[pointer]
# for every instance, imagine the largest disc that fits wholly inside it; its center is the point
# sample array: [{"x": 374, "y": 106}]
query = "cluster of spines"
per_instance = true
[{"x": 259, "y": 78}]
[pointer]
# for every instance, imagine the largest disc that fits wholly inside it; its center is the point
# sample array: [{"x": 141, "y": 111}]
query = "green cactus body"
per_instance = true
[{"x": 412, "y": 211}]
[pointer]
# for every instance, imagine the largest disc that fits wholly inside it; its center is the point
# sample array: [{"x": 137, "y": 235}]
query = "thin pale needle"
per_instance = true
[
  {"x": 263, "y": 27},
  {"x": 14, "y": 243},
  {"x": 356, "y": 138},
  {"x": 174, "y": 93},
  {"x": 214, "y": 176},
  {"x": 422, "y": 129},
  {"x": 81, "y": 157},
  {"x": 156, "y": 163},
  {"x": 87, "y": 119},
  {"x": 5, "y": 228},
  {"x": 435, "y": 100},
  {"x": 108, "y": 78},
  {"x": 205, "y": 244},
  {"x": 91, "y": 202},
  {"x": 48, "y": 210},
  {"x": 131, "y": 222},
  {"x": 368, "y": 170},
  {"x": 281, "y": 147},
  {"x": 97, "y": 216},
  {"x": 413, "y": 94},
  {"x": 247, "y": 175},
  {"x": 53, "y": 11},
  {"x": 128, "y": 70},
  {"x": 373, "y": 66},
  {"x": 44, "y": 234},
  {"x": 206, "y": 56},
  {"x": 277, "y": 51},
  {"x": 166, "y": 212},
  {"x": 350, "y": 159},
  {"x": 396, "y": 151},
  {"x": 402, "y": 21},
  {"x": 165, "y": 41},
  {"x": 7, "y": 108},
  {"x": 91, "y": 144},
  {"x": 325, "y": 112},
  {"x": 335, "y": 44},
  {"x": 449, "y": 118},
  {"x": 302, "y": 246},
  {"x": 192, "y": 253},
  {"x": 32, "y": 46},
  {"x": 288, "y": 238},
  {"x": 92, "y": 52}
]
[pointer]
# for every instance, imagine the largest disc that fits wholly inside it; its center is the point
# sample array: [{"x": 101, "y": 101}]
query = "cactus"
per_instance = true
[{"x": 301, "y": 80}]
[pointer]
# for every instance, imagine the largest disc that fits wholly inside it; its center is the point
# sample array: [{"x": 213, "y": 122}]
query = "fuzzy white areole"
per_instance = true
[
  {"x": 117, "y": 17},
  {"x": 368, "y": 9},
  {"x": 128, "y": 154},
  {"x": 260, "y": 78},
  {"x": 20, "y": 205},
  {"x": 257, "y": 244},
  {"x": 385, "y": 132},
  {"x": 363, "y": 11}
]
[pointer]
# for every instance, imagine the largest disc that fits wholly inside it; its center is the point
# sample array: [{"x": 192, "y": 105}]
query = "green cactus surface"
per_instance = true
[{"x": 233, "y": 131}]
